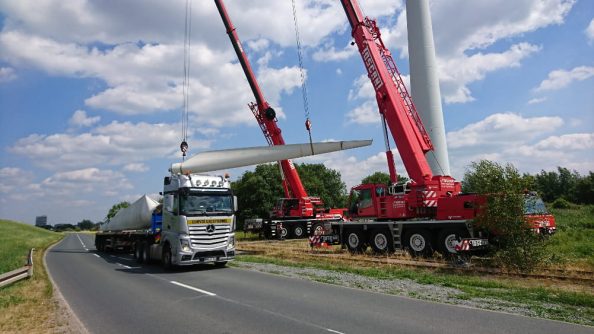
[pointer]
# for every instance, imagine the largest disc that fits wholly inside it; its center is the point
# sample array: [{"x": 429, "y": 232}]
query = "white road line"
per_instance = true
[
  {"x": 82, "y": 243},
  {"x": 192, "y": 288},
  {"x": 97, "y": 255},
  {"x": 333, "y": 331},
  {"x": 123, "y": 265}
]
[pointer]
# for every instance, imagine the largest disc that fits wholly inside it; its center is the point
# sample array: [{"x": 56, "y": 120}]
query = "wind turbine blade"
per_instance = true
[{"x": 224, "y": 159}]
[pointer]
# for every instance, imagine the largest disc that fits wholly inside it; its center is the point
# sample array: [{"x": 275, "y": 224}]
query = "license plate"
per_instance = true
[
  {"x": 478, "y": 243},
  {"x": 208, "y": 259}
]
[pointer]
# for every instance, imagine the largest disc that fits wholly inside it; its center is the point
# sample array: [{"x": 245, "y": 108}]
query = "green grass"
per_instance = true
[
  {"x": 569, "y": 303},
  {"x": 574, "y": 240},
  {"x": 16, "y": 239},
  {"x": 27, "y": 306},
  {"x": 249, "y": 236}
]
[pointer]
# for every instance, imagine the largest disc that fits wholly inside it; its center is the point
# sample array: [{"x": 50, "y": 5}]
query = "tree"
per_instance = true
[
  {"x": 323, "y": 182},
  {"x": 86, "y": 224},
  {"x": 518, "y": 247},
  {"x": 381, "y": 178},
  {"x": 115, "y": 208},
  {"x": 258, "y": 191}
]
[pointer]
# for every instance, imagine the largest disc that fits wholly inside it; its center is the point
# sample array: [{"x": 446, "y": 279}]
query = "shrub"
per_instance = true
[{"x": 561, "y": 203}]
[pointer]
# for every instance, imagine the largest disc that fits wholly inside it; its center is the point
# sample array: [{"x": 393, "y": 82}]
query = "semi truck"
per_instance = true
[{"x": 195, "y": 224}]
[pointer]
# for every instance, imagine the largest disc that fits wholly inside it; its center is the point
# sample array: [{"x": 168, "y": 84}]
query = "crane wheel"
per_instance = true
[
  {"x": 355, "y": 242},
  {"x": 418, "y": 243},
  {"x": 447, "y": 240},
  {"x": 382, "y": 242},
  {"x": 298, "y": 232}
]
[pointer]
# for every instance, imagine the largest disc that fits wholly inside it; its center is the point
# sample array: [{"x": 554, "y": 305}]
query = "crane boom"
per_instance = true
[
  {"x": 394, "y": 102},
  {"x": 264, "y": 113}
]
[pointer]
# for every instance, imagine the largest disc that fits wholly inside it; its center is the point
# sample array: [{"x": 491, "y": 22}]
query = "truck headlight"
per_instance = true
[
  {"x": 231, "y": 243},
  {"x": 185, "y": 245}
]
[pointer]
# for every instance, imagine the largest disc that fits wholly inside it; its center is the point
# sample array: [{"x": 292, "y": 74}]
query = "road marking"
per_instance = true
[
  {"x": 192, "y": 288},
  {"x": 82, "y": 243},
  {"x": 333, "y": 331},
  {"x": 97, "y": 255},
  {"x": 125, "y": 266}
]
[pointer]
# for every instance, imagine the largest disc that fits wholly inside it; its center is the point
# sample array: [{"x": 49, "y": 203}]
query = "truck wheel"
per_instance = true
[
  {"x": 354, "y": 241},
  {"x": 418, "y": 243},
  {"x": 381, "y": 242},
  {"x": 298, "y": 232},
  {"x": 138, "y": 252},
  {"x": 284, "y": 232},
  {"x": 166, "y": 259},
  {"x": 447, "y": 240},
  {"x": 146, "y": 253},
  {"x": 318, "y": 229},
  {"x": 220, "y": 264}
]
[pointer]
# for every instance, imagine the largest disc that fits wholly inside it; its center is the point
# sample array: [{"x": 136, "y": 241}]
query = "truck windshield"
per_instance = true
[
  {"x": 207, "y": 204},
  {"x": 534, "y": 206}
]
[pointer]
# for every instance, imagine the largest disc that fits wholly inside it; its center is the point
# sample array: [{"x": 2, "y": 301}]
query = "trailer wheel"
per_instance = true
[
  {"x": 298, "y": 232},
  {"x": 418, "y": 242},
  {"x": 447, "y": 240},
  {"x": 166, "y": 259},
  {"x": 355, "y": 242},
  {"x": 381, "y": 242},
  {"x": 138, "y": 252}
]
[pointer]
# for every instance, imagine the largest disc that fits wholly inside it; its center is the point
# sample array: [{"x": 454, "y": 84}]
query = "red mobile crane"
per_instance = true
[
  {"x": 298, "y": 213},
  {"x": 430, "y": 210}
]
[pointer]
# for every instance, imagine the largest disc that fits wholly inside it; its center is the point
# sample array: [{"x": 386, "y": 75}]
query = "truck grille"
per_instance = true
[{"x": 205, "y": 240}]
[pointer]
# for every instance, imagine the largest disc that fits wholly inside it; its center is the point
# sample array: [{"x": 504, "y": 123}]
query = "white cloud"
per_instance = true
[
  {"x": 366, "y": 113},
  {"x": 501, "y": 129},
  {"x": 136, "y": 167},
  {"x": 117, "y": 143},
  {"x": 457, "y": 73},
  {"x": 13, "y": 178},
  {"x": 590, "y": 31},
  {"x": 329, "y": 53},
  {"x": 537, "y": 100},
  {"x": 80, "y": 119},
  {"x": 7, "y": 74},
  {"x": 574, "y": 141},
  {"x": 561, "y": 78}
]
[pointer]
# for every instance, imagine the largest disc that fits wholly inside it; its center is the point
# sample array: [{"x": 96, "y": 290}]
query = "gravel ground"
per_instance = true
[{"x": 409, "y": 288}]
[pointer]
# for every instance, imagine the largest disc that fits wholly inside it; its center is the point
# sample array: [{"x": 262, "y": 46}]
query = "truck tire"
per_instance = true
[
  {"x": 317, "y": 229},
  {"x": 139, "y": 252},
  {"x": 166, "y": 258},
  {"x": 418, "y": 243},
  {"x": 381, "y": 241},
  {"x": 355, "y": 241},
  {"x": 146, "y": 253},
  {"x": 298, "y": 231},
  {"x": 447, "y": 238},
  {"x": 284, "y": 232}
]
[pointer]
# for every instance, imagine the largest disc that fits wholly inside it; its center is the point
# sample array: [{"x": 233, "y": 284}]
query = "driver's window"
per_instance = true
[{"x": 365, "y": 199}]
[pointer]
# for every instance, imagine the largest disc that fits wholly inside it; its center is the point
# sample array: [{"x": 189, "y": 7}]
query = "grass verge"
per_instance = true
[
  {"x": 545, "y": 302},
  {"x": 27, "y": 306},
  {"x": 573, "y": 243}
]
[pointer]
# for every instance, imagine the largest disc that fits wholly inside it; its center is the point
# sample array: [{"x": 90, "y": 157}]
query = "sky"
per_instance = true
[{"x": 91, "y": 90}]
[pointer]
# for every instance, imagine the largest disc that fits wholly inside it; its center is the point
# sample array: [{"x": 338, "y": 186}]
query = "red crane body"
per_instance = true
[
  {"x": 426, "y": 195},
  {"x": 297, "y": 203}
]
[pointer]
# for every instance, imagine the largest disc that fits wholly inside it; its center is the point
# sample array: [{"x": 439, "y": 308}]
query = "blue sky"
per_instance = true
[{"x": 90, "y": 91}]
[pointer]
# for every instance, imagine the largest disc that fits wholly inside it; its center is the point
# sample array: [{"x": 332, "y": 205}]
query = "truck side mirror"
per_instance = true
[
  {"x": 235, "y": 207},
  {"x": 168, "y": 202}
]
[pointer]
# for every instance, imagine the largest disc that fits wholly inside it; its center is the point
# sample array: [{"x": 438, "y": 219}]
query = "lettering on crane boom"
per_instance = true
[{"x": 372, "y": 71}]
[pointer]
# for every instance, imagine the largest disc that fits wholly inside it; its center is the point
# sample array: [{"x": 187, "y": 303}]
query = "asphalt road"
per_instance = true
[{"x": 112, "y": 294}]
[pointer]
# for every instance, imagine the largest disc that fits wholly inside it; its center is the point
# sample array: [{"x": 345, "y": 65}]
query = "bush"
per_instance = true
[
  {"x": 518, "y": 247},
  {"x": 561, "y": 203}
]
